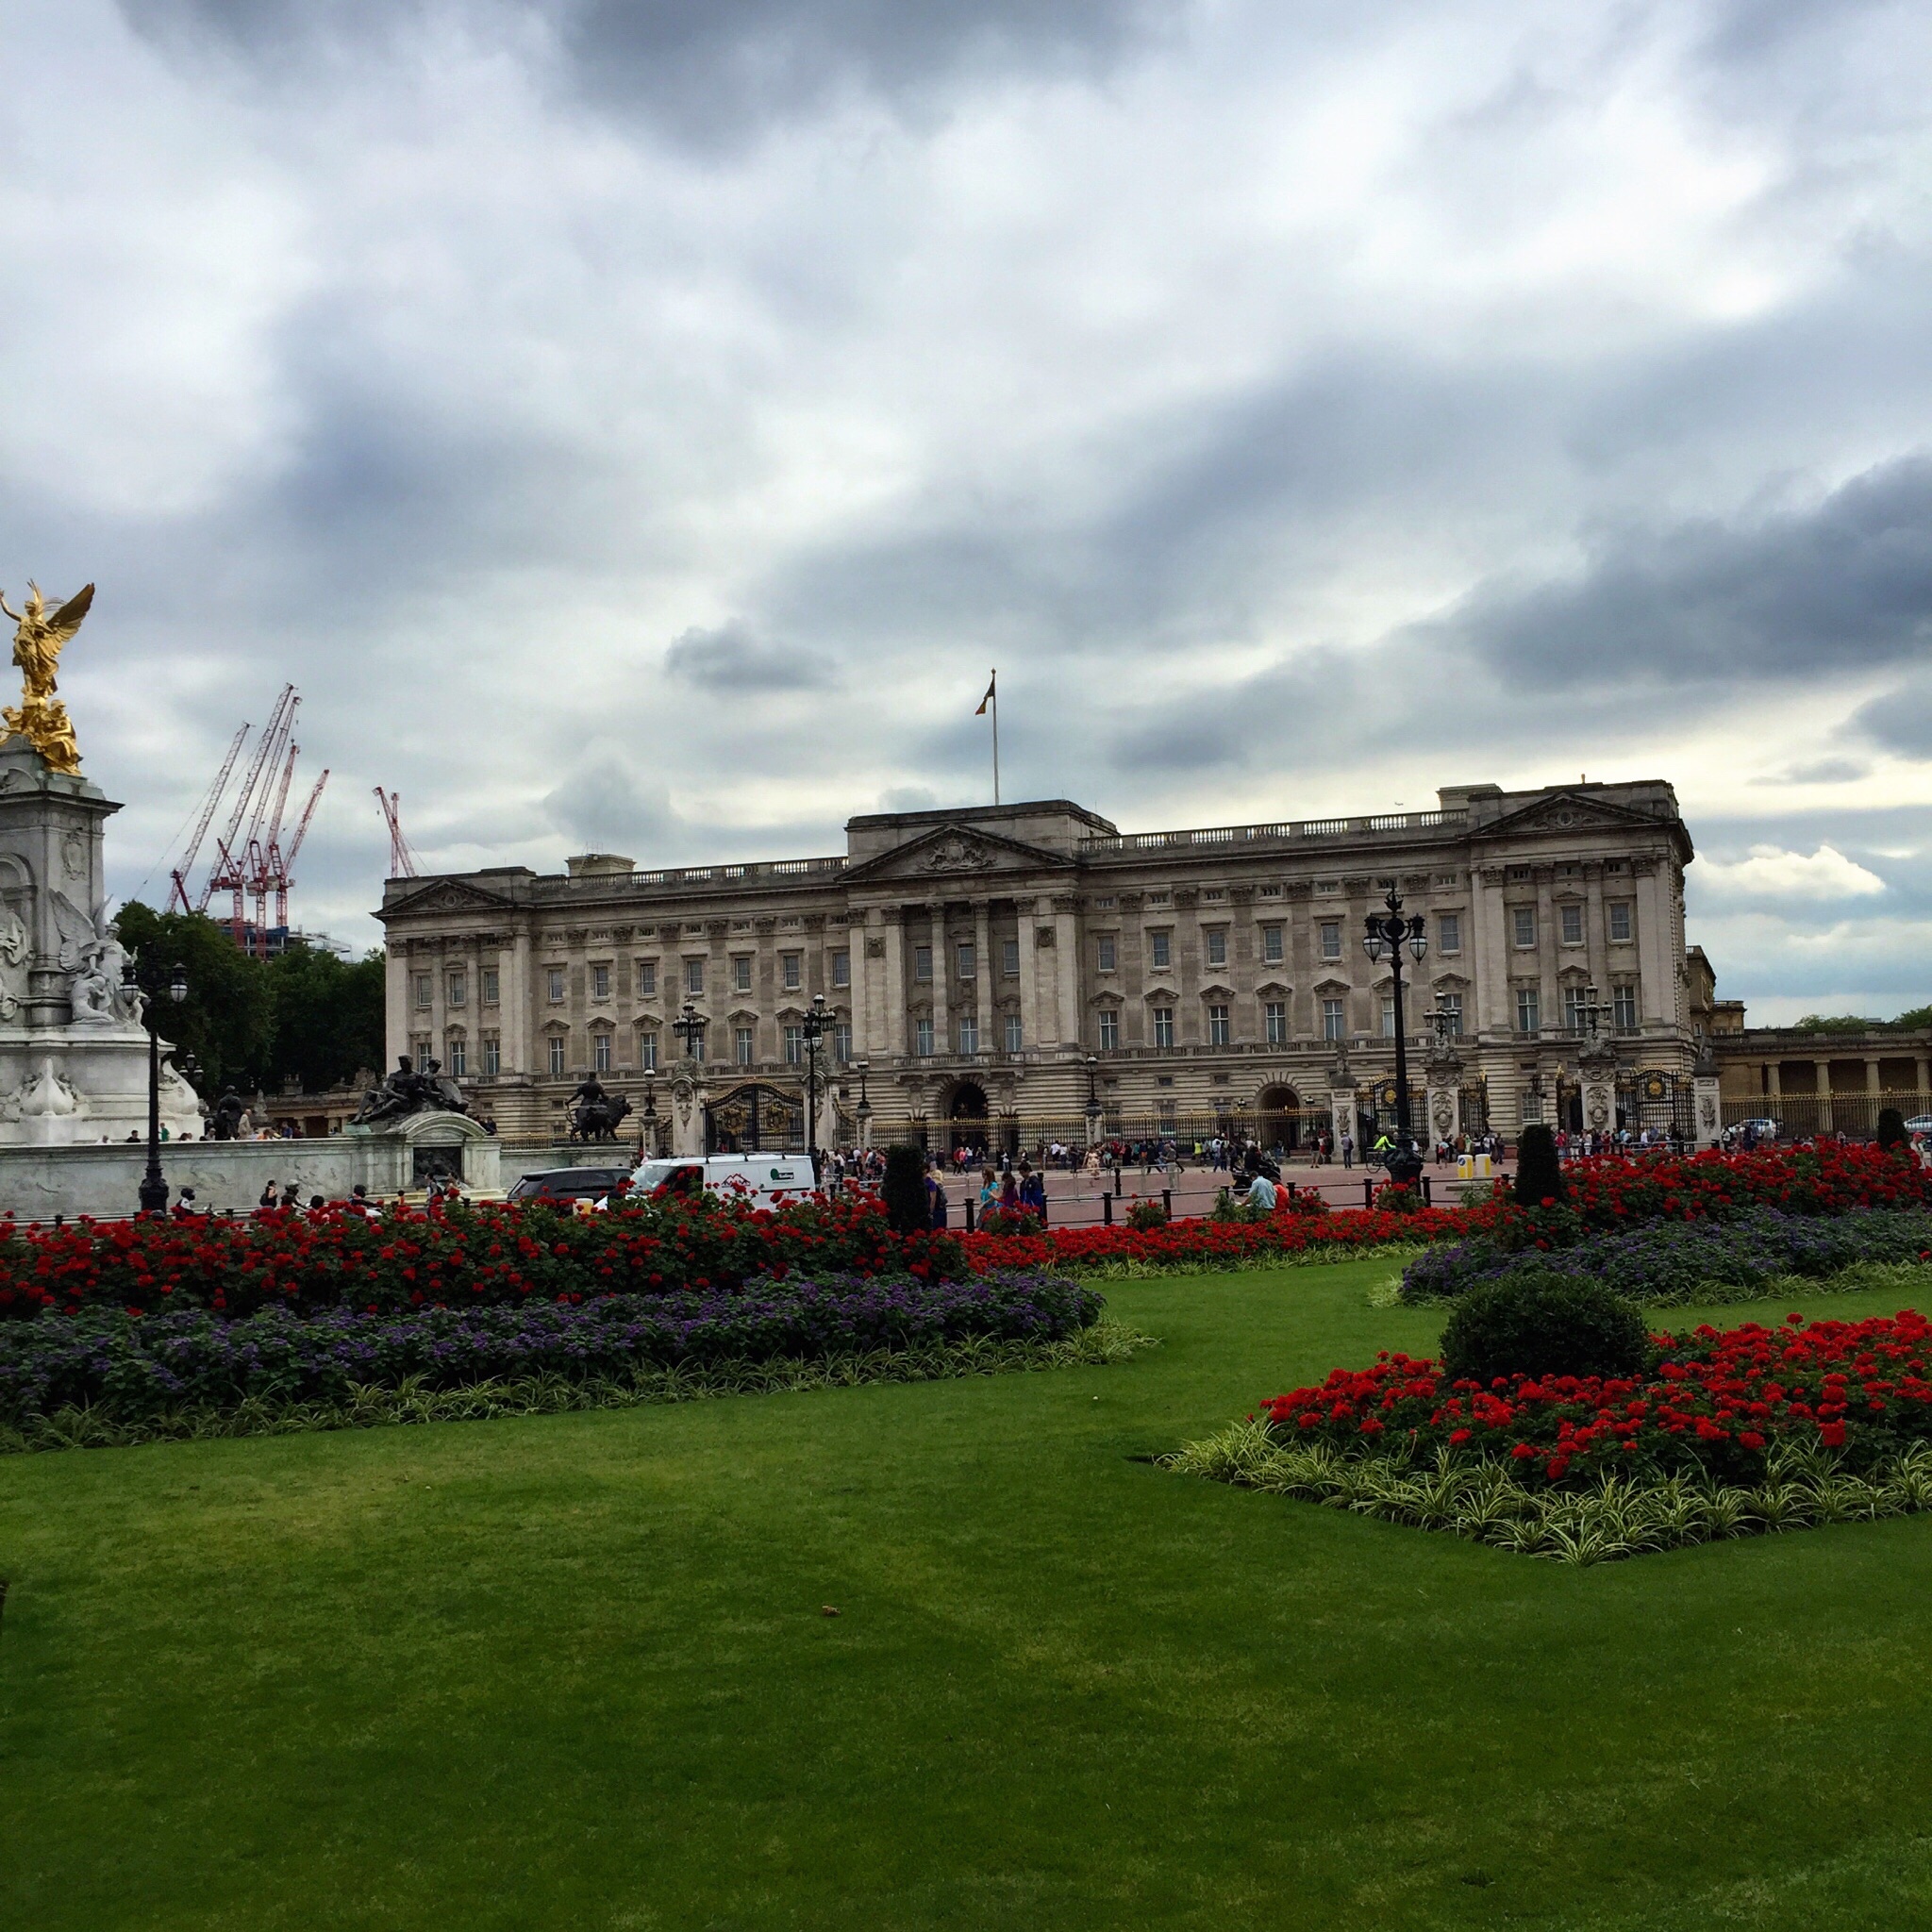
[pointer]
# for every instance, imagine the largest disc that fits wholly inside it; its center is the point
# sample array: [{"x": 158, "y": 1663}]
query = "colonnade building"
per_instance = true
[{"x": 1013, "y": 971}]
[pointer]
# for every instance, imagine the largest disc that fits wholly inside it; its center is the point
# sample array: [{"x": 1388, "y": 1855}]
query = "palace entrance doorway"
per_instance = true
[
  {"x": 969, "y": 1117},
  {"x": 1279, "y": 1118}
]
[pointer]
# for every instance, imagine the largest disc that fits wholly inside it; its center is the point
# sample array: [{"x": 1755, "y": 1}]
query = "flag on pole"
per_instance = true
[{"x": 987, "y": 698}]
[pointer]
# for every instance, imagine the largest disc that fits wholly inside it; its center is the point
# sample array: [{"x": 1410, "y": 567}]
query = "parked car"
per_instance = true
[
  {"x": 764, "y": 1179},
  {"x": 568, "y": 1184},
  {"x": 1919, "y": 1124},
  {"x": 1760, "y": 1131}
]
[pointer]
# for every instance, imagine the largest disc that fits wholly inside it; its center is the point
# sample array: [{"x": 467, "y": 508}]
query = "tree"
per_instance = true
[
  {"x": 227, "y": 1020},
  {"x": 329, "y": 1017}
]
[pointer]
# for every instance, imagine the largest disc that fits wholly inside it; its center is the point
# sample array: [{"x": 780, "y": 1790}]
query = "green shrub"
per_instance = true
[
  {"x": 905, "y": 1189},
  {"x": 1539, "y": 1324},
  {"x": 1146, "y": 1214},
  {"x": 1538, "y": 1172},
  {"x": 1891, "y": 1127}
]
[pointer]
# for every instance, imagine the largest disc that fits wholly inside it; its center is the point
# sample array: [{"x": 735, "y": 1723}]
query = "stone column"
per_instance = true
[
  {"x": 941, "y": 974},
  {"x": 1066, "y": 938},
  {"x": 1342, "y": 1115},
  {"x": 1824, "y": 1121},
  {"x": 1029, "y": 993},
  {"x": 983, "y": 981},
  {"x": 687, "y": 1111},
  {"x": 395, "y": 1002},
  {"x": 1596, "y": 1068}
]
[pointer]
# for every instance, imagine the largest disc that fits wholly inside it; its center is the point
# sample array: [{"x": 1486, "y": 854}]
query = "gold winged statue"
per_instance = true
[{"x": 39, "y": 635}]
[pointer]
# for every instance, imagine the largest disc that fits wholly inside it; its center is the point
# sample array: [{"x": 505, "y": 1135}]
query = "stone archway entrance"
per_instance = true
[
  {"x": 970, "y": 1117},
  {"x": 1279, "y": 1118}
]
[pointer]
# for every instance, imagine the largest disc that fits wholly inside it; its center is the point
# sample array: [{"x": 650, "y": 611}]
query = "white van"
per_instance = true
[{"x": 766, "y": 1180}]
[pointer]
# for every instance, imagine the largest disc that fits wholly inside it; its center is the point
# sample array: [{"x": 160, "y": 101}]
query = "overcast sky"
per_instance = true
[{"x": 640, "y": 425}]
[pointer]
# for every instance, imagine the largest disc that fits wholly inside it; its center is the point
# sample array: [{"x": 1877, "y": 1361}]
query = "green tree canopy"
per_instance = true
[{"x": 306, "y": 1015}]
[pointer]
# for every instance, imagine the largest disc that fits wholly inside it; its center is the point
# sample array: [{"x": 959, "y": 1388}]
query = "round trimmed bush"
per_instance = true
[
  {"x": 1891, "y": 1127},
  {"x": 906, "y": 1210},
  {"x": 1538, "y": 1324}
]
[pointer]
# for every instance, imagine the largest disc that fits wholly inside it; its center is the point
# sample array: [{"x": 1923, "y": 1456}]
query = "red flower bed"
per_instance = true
[
  {"x": 1716, "y": 1399},
  {"x": 459, "y": 1256}
]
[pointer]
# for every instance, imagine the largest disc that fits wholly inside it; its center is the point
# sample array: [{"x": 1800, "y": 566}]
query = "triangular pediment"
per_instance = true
[
  {"x": 444, "y": 896},
  {"x": 1569, "y": 811},
  {"x": 965, "y": 851}
]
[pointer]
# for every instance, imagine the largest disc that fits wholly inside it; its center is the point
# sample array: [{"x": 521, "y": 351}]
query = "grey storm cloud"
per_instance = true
[
  {"x": 709, "y": 73},
  {"x": 1844, "y": 586},
  {"x": 732, "y": 659}
]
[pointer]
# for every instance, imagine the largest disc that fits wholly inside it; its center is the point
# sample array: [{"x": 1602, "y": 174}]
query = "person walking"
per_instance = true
[{"x": 1347, "y": 1148}]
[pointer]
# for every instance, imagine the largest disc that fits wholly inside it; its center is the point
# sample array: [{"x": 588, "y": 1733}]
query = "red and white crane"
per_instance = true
[
  {"x": 178, "y": 896},
  {"x": 402, "y": 858}
]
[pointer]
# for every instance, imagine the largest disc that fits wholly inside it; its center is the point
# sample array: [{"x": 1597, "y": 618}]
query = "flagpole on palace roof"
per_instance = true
[{"x": 993, "y": 699}]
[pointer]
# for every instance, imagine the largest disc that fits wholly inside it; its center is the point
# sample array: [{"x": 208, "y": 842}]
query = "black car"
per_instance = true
[{"x": 570, "y": 1184}]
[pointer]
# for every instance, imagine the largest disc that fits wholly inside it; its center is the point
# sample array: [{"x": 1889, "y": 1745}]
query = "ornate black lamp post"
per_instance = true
[
  {"x": 689, "y": 1027},
  {"x": 859, "y": 1067},
  {"x": 647, "y": 1121},
  {"x": 818, "y": 1022},
  {"x": 1092, "y": 1100},
  {"x": 1388, "y": 933},
  {"x": 153, "y": 981}
]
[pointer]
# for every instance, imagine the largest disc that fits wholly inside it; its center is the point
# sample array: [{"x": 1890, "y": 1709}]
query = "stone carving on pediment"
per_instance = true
[
  {"x": 1643, "y": 868},
  {"x": 1043, "y": 938},
  {"x": 814, "y": 921},
  {"x": 955, "y": 852},
  {"x": 717, "y": 929},
  {"x": 875, "y": 947},
  {"x": 1185, "y": 896},
  {"x": 1066, "y": 902},
  {"x": 1299, "y": 888},
  {"x": 768, "y": 923},
  {"x": 1493, "y": 874}
]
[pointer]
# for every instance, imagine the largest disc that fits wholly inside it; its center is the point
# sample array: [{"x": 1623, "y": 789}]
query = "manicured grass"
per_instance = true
[{"x": 572, "y": 1671}]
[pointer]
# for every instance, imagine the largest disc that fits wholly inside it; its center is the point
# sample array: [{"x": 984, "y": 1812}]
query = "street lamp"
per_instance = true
[
  {"x": 689, "y": 1027},
  {"x": 864, "y": 1108},
  {"x": 818, "y": 1022},
  {"x": 647, "y": 1121},
  {"x": 151, "y": 981},
  {"x": 1387, "y": 933},
  {"x": 1092, "y": 1100}
]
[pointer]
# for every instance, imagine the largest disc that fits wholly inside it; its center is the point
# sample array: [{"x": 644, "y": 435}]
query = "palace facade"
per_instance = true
[{"x": 1021, "y": 970}]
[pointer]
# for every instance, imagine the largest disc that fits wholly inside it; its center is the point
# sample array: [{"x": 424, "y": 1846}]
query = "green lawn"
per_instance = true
[{"x": 572, "y": 1672}]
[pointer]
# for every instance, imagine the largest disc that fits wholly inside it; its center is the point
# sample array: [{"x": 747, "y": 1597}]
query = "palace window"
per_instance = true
[
  {"x": 1450, "y": 1004},
  {"x": 1162, "y": 944},
  {"x": 1387, "y": 1016},
  {"x": 841, "y": 1042},
  {"x": 791, "y": 967},
  {"x": 647, "y": 979},
  {"x": 921, "y": 962},
  {"x": 1573, "y": 1004},
  {"x": 458, "y": 1056},
  {"x": 493, "y": 1054},
  {"x": 1331, "y": 939},
  {"x": 1334, "y": 1020},
  {"x": 969, "y": 1033},
  {"x": 1528, "y": 1009},
  {"x": 1275, "y": 1021},
  {"x": 1525, "y": 917},
  {"x": 922, "y": 1038},
  {"x": 1270, "y": 945},
  {"x": 1107, "y": 948},
  {"x": 556, "y": 1055},
  {"x": 969, "y": 962},
  {"x": 420, "y": 1047},
  {"x": 1110, "y": 1029},
  {"x": 794, "y": 1046},
  {"x": 600, "y": 982},
  {"x": 1217, "y": 1025},
  {"x": 1013, "y": 1040},
  {"x": 1623, "y": 1008},
  {"x": 647, "y": 1049},
  {"x": 1163, "y": 1027},
  {"x": 1009, "y": 958},
  {"x": 1572, "y": 915},
  {"x": 743, "y": 1044},
  {"x": 458, "y": 989},
  {"x": 600, "y": 1052},
  {"x": 1169, "y": 1111},
  {"x": 491, "y": 983},
  {"x": 425, "y": 988},
  {"x": 1268, "y": 892},
  {"x": 1449, "y": 932},
  {"x": 693, "y": 976},
  {"x": 556, "y": 986},
  {"x": 842, "y": 968},
  {"x": 1619, "y": 911},
  {"x": 1217, "y": 945},
  {"x": 740, "y": 973}
]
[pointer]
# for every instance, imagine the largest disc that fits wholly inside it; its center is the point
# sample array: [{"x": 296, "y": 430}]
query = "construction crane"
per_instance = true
[
  {"x": 402, "y": 860},
  {"x": 265, "y": 872},
  {"x": 230, "y": 872},
  {"x": 281, "y": 865},
  {"x": 178, "y": 896}
]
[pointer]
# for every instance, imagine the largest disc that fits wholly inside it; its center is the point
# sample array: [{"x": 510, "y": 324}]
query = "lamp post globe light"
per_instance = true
[
  {"x": 1093, "y": 1064},
  {"x": 153, "y": 981},
  {"x": 1385, "y": 934},
  {"x": 689, "y": 1027}
]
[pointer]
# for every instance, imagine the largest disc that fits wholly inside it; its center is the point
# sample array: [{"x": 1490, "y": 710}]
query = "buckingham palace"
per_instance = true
[{"x": 1015, "y": 973}]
